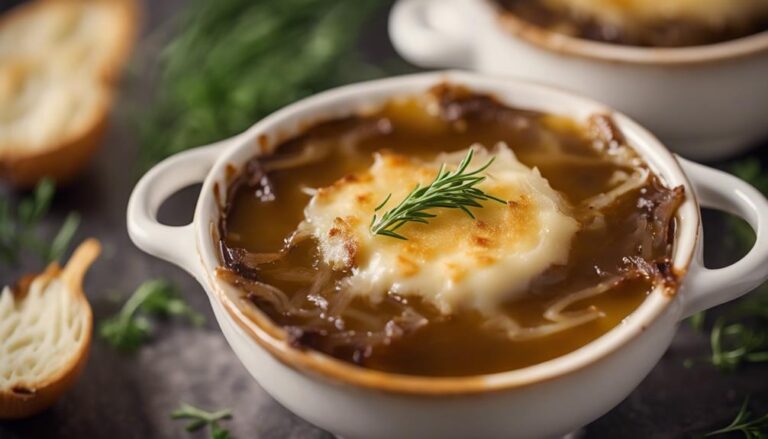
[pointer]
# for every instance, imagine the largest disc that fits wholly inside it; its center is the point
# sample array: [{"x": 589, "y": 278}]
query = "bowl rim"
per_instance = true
[
  {"x": 727, "y": 50},
  {"x": 357, "y": 97}
]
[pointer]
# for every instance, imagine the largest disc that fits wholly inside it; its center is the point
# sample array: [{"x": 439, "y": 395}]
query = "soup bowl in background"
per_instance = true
[
  {"x": 705, "y": 102},
  {"x": 545, "y": 400}
]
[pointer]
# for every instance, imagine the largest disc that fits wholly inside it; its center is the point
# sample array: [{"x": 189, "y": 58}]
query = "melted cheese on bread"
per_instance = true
[
  {"x": 454, "y": 261},
  {"x": 628, "y": 13}
]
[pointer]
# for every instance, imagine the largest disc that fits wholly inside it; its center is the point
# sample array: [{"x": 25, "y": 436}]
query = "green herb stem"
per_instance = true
[{"x": 743, "y": 423}]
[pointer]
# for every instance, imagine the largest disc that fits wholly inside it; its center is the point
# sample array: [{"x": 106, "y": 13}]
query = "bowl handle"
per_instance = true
[
  {"x": 704, "y": 287},
  {"x": 431, "y": 33},
  {"x": 175, "y": 244}
]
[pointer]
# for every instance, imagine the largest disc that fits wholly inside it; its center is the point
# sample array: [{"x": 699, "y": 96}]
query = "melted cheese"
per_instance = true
[
  {"x": 628, "y": 13},
  {"x": 455, "y": 261}
]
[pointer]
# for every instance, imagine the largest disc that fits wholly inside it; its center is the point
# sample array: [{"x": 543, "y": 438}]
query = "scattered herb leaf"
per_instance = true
[
  {"x": 449, "y": 190},
  {"x": 743, "y": 423},
  {"x": 200, "y": 418},
  {"x": 130, "y": 328},
  {"x": 235, "y": 61},
  {"x": 18, "y": 229}
]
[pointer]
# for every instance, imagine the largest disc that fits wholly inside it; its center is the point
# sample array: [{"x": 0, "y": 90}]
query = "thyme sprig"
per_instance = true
[
  {"x": 744, "y": 423},
  {"x": 449, "y": 190}
]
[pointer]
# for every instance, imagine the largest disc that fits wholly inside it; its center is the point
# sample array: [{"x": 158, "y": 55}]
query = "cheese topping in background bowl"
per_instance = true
[{"x": 658, "y": 23}]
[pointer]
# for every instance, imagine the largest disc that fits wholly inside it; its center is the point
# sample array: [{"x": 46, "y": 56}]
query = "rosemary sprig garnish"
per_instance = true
[{"x": 449, "y": 190}]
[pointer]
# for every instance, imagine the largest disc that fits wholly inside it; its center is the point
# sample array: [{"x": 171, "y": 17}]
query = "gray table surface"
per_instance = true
[{"x": 130, "y": 396}]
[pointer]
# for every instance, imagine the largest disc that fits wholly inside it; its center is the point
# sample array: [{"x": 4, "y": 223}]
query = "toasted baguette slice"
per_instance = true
[
  {"x": 58, "y": 62},
  {"x": 84, "y": 37},
  {"x": 45, "y": 333},
  {"x": 50, "y": 122}
]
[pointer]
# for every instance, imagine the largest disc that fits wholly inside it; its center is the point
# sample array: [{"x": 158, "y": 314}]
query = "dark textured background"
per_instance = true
[{"x": 130, "y": 396}]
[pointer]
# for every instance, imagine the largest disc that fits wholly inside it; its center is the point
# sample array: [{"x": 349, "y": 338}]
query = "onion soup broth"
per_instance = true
[{"x": 620, "y": 253}]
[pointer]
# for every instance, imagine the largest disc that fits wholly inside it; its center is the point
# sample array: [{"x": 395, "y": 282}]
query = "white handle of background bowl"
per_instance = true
[
  {"x": 175, "y": 244},
  {"x": 431, "y": 33},
  {"x": 704, "y": 287}
]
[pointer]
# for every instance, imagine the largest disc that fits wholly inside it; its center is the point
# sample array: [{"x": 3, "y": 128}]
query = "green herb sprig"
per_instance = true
[
  {"x": 19, "y": 227},
  {"x": 235, "y": 61},
  {"x": 131, "y": 327},
  {"x": 449, "y": 190},
  {"x": 200, "y": 418},
  {"x": 744, "y": 423}
]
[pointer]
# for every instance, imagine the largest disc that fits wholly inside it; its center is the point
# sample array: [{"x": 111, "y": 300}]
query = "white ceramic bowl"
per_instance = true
[
  {"x": 545, "y": 400},
  {"x": 705, "y": 102}
]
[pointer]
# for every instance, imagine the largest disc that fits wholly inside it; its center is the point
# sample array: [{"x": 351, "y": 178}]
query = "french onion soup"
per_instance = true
[
  {"x": 656, "y": 23},
  {"x": 446, "y": 234}
]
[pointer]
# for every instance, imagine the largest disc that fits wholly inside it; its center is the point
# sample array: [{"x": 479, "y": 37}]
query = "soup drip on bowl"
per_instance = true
[
  {"x": 446, "y": 234},
  {"x": 653, "y": 23}
]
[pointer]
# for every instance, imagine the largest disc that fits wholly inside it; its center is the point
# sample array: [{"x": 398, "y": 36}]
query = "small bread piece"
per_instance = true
[
  {"x": 58, "y": 64},
  {"x": 45, "y": 333},
  {"x": 50, "y": 122},
  {"x": 80, "y": 37}
]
